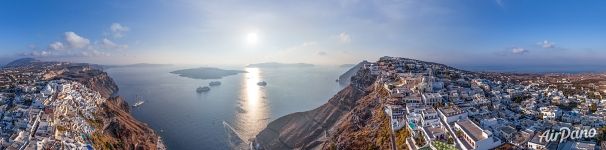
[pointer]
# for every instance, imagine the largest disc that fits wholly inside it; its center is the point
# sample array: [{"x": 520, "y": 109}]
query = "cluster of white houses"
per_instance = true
[
  {"x": 446, "y": 106},
  {"x": 50, "y": 115}
]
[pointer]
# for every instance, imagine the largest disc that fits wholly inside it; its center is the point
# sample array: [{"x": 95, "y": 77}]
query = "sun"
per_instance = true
[{"x": 252, "y": 38}]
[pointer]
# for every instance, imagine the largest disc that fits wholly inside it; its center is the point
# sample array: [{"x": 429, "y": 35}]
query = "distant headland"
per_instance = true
[
  {"x": 347, "y": 65},
  {"x": 135, "y": 65},
  {"x": 279, "y": 65}
]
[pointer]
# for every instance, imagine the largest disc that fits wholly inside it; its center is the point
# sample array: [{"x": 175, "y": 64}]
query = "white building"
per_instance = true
[
  {"x": 548, "y": 112},
  {"x": 474, "y": 137},
  {"x": 536, "y": 142},
  {"x": 432, "y": 99},
  {"x": 396, "y": 113},
  {"x": 412, "y": 101},
  {"x": 373, "y": 67},
  {"x": 452, "y": 114},
  {"x": 430, "y": 117},
  {"x": 507, "y": 132}
]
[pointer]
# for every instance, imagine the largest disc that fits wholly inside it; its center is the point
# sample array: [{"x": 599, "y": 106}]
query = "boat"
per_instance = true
[
  {"x": 262, "y": 83},
  {"x": 139, "y": 101},
  {"x": 214, "y": 83},
  {"x": 202, "y": 89}
]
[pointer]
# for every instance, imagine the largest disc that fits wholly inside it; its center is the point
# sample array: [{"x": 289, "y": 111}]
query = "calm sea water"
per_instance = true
[{"x": 189, "y": 120}]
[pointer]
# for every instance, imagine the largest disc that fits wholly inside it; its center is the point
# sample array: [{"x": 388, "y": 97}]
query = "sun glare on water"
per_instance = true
[{"x": 252, "y": 113}]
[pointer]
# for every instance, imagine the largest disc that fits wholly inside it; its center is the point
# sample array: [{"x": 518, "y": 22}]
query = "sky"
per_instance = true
[{"x": 232, "y": 32}]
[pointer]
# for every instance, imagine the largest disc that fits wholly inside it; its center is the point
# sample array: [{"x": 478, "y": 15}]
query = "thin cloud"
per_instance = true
[
  {"x": 344, "y": 37},
  {"x": 37, "y": 54},
  {"x": 501, "y": 3},
  {"x": 56, "y": 46},
  {"x": 76, "y": 41},
  {"x": 74, "y": 45},
  {"x": 512, "y": 51},
  {"x": 108, "y": 44},
  {"x": 519, "y": 50},
  {"x": 81, "y": 53},
  {"x": 312, "y": 43},
  {"x": 118, "y": 30},
  {"x": 546, "y": 44}
]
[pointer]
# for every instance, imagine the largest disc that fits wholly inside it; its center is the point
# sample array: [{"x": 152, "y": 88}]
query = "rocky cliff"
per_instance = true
[
  {"x": 344, "y": 78},
  {"x": 117, "y": 129},
  {"x": 352, "y": 119}
]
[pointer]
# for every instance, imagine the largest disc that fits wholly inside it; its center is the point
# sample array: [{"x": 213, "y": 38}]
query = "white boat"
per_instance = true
[
  {"x": 262, "y": 83},
  {"x": 202, "y": 89},
  {"x": 139, "y": 101},
  {"x": 214, "y": 83}
]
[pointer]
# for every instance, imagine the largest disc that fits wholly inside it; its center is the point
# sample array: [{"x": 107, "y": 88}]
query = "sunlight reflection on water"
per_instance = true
[{"x": 252, "y": 112}]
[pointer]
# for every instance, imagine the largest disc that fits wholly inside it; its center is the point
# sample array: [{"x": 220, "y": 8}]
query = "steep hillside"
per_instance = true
[
  {"x": 344, "y": 78},
  {"x": 117, "y": 129},
  {"x": 351, "y": 115}
]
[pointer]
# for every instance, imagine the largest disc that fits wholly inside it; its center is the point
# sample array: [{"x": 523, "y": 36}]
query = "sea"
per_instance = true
[
  {"x": 186, "y": 119},
  {"x": 536, "y": 68}
]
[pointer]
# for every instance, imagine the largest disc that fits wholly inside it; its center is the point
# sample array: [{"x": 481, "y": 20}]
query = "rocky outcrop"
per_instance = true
[
  {"x": 349, "y": 120},
  {"x": 100, "y": 82},
  {"x": 298, "y": 129},
  {"x": 366, "y": 126},
  {"x": 122, "y": 130},
  {"x": 344, "y": 78}
]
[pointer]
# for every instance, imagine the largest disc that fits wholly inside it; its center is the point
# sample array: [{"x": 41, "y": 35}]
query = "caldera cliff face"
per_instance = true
[
  {"x": 115, "y": 128},
  {"x": 352, "y": 119}
]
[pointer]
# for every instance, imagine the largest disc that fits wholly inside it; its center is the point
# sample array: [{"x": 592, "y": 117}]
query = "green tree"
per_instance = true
[
  {"x": 593, "y": 108},
  {"x": 450, "y": 140},
  {"x": 602, "y": 134},
  {"x": 420, "y": 140}
]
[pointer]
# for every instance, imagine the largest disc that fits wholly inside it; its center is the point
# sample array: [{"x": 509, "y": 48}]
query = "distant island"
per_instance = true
[
  {"x": 347, "y": 65},
  {"x": 279, "y": 65},
  {"x": 135, "y": 65},
  {"x": 20, "y": 62},
  {"x": 206, "y": 73}
]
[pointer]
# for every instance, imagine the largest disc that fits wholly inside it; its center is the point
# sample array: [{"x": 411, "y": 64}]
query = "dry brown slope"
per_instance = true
[
  {"x": 116, "y": 129},
  {"x": 353, "y": 119},
  {"x": 364, "y": 127},
  {"x": 298, "y": 129}
]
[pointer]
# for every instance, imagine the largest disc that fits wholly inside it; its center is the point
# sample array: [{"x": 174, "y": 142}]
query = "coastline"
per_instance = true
[
  {"x": 160, "y": 145},
  {"x": 220, "y": 97},
  {"x": 120, "y": 128},
  {"x": 80, "y": 101}
]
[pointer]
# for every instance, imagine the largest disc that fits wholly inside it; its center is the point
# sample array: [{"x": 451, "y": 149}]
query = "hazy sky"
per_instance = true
[{"x": 471, "y": 32}]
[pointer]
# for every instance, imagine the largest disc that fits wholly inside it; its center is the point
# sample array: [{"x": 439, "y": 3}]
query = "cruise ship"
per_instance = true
[
  {"x": 214, "y": 83},
  {"x": 202, "y": 89}
]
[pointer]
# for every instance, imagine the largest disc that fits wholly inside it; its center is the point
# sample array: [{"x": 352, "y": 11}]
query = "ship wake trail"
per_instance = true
[{"x": 234, "y": 139}]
